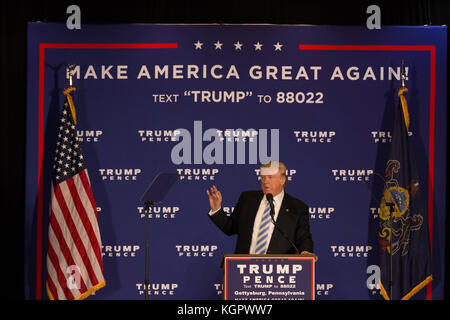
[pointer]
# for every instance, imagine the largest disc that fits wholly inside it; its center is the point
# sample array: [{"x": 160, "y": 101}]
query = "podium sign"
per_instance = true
[{"x": 268, "y": 277}]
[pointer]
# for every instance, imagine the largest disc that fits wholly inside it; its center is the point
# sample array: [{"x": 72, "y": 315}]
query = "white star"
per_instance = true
[
  {"x": 258, "y": 46},
  {"x": 218, "y": 45},
  {"x": 198, "y": 45},
  {"x": 238, "y": 46},
  {"x": 277, "y": 46}
]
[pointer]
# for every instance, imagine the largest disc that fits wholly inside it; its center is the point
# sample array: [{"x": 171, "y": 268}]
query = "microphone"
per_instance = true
[{"x": 269, "y": 198}]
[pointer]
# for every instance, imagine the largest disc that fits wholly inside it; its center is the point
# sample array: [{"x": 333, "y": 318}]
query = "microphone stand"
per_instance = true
[
  {"x": 272, "y": 214},
  {"x": 157, "y": 190},
  {"x": 146, "y": 280},
  {"x": 391, "y": 212}
]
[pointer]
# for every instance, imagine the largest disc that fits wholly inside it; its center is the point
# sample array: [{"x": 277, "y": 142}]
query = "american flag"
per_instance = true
[{"x": 74, "y": 260}]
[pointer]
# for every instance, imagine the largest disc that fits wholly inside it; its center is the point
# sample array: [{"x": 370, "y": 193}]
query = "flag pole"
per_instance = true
[
  {"x": 392, "y": 204},
  {"x": 403, "y": 75},
  {"x": 147, "y": 280},
  {"x": 391, "y": 212},
  {"x": 70, "y": 71},
  {"x": 69, "y": 90}
]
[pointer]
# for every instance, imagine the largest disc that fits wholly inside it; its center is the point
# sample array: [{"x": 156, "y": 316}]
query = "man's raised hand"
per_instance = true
[{"x": 215, "y": 198}]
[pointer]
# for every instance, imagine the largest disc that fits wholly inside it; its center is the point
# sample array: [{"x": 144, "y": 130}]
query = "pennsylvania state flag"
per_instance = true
[{"x": 405, "y": 234}]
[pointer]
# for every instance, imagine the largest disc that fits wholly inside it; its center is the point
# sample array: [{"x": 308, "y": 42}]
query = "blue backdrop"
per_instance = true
[{"x": 325, "y": 94}]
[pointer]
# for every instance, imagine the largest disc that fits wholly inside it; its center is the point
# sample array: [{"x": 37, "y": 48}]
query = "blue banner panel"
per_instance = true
[{"x": 212, "y": 103}]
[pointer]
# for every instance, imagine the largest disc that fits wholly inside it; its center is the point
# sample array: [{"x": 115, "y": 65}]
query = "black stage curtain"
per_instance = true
[{"x": 16, "y": 13}]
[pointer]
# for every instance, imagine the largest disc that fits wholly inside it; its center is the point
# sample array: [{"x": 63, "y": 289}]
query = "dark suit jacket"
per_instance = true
[{"x": 292, "y": 220}]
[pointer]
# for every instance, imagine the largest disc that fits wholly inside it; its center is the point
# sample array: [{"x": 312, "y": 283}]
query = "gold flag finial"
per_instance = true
[
  {"x": 402, "y": 97},
  {"x": 68, "y": 92},
  {"x": 404, "y": 106}
]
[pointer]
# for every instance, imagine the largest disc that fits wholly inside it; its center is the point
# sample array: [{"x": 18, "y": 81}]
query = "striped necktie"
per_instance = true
[{"x": 262, "y": 240}]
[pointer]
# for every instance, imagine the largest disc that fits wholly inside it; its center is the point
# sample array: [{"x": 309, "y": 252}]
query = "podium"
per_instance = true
[{"x": 268, "y": 277}]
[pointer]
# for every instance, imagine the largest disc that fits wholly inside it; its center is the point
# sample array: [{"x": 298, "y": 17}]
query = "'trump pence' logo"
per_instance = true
[
  {"x": 224, "y": 151},
  {"x": 320, "y": 213},
  {"x": 384, "y": 136},
  {"x": 351, "y": 175},
  {"x": 119, "y": 174},
  {"x": 196, "y": 250},
  {"x": 351, "y": 251},
  {"x": 164, "y": 135},
  {"x": 323, "y": 289},
  {"x": 89, "y": 135},
  {"x": 159, "y": 212},
  {"x": 157, "y": 289},
  {"x": 219, "y": 288},
  {"x": 199, "y": 174},
  {"x": 314, "y": 136},
  {"x": 114, "y": 251}
]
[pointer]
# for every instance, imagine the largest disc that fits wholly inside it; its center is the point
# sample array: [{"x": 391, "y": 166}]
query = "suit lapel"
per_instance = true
[
  {"x": 250, "y": 213},
  {"x": 284, "y": 220},
  {"x": 253, "y": 210}
]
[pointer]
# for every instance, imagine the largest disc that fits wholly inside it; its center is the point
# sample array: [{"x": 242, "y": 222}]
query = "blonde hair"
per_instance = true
[{"x": 277, "y": 164}]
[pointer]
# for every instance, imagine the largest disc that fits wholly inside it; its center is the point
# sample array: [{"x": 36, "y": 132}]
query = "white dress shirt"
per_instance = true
[{"x": 277, "y": 200}]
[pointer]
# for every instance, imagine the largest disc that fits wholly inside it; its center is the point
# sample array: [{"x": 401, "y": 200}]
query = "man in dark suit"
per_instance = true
[{"x": 251, "y": 219}]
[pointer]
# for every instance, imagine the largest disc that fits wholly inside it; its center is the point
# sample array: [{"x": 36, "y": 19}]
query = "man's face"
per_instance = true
[{"x": 272, "y": 183}]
